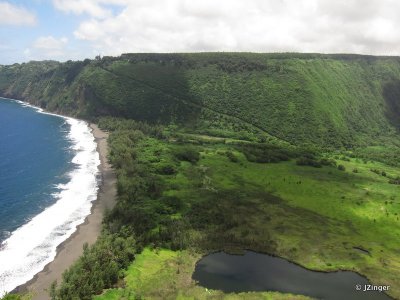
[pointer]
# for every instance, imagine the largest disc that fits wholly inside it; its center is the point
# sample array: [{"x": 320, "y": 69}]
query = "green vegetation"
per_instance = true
[
  {"x": 16, "y": 297},
  {"x": 334, "y": 101},
  {"x": 99, "y": 267},
  {"x": 189, "y": 154},
  {"x": 189, "y": 198},
  {"x": 166, "y": 274},
  {"x": 288, "y": 154}
]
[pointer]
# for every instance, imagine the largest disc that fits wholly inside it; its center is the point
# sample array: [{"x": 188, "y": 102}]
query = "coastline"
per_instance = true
[{"x": 87, "y": 232}]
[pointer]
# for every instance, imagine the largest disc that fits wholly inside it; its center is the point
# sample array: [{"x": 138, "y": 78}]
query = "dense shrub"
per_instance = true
[
  {"x": 175, "y": 203},
  {"x": 341, "y": 168},
  {"x": 187, "y": 153},
  {"x": 98, "y": 268},
  {"x": 379, "y": 172},
  {"x": 232, "y": 157},
  {"x": 167, "y": 169},
  {"x": 376, "y": 171},
  {"x": 327, "y": 162},
  {"x": 304, "y": 161},
  {"x": 114, "y": 124},
  {"x": 14, "y": 297}
]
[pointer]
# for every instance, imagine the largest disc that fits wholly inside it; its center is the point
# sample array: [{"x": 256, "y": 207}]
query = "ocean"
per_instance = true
[{"x": 48, "y": 179}]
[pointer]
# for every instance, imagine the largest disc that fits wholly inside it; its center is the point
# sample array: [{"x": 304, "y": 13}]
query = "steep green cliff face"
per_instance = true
[
  {"x": 328, "y": 100},
  {"x": 295, "y": 155}
]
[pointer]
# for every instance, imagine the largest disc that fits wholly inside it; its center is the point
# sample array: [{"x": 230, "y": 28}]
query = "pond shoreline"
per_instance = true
[{"x": 220, "y": 272}]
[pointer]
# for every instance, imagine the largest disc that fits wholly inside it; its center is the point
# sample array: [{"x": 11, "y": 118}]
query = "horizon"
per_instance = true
[
  {"x": 64, "y": 30},
  {"x": 210, "y": 52}
]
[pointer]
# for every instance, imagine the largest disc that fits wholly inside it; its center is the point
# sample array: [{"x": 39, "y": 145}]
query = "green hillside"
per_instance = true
[
  {"x": 339, "y": 101},
  {"x": 294, "y": 155}
]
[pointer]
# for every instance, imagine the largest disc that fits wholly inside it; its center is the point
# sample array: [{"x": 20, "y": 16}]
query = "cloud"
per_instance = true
[
  {"x": 47, "y": 47},
  {"x": 50, "y": 43},
  {"x": 355, "y": 26},
  {"x": 94, "y": 8},
  {"x": 15, "y": 15}
]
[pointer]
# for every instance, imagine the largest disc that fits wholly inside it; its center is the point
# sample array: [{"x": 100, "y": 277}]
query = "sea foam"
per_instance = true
[{"x": 32, "y": 246}]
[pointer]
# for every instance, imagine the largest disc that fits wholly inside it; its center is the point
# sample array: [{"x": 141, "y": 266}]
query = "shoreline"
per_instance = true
[{"x": 87, "y": 232}]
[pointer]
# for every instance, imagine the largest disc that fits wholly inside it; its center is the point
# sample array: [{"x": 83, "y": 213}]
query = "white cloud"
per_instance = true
[
  {"x": 47, "y": 47},
  {"x": 362, "y": 26},
  {"x": 95, "y": 8},
  {"x": 50, "y": 43},
  {"x": 27, "y": 52},
  {"x": 15, "y": 15}
]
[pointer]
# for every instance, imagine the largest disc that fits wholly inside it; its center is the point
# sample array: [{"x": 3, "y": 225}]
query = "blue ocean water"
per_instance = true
[
  {"x": 35, "y": 156},
  {"x": 48, "y": 179}
]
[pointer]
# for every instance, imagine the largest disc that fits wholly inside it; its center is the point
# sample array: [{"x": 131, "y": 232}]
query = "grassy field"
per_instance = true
[
  {"x": 166, "y": 274},
  {"x": 321, "y": 218}
]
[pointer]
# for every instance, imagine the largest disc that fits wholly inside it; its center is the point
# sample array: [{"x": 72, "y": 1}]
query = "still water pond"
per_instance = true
[{"x": 259, "y": 272}]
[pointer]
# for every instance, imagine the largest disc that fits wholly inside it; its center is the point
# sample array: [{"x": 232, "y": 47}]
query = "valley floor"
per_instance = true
[{"x": 324, "y": 218}]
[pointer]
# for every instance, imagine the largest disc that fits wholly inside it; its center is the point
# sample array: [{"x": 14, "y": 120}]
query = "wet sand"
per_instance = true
[{"x": 70, "y": 250}]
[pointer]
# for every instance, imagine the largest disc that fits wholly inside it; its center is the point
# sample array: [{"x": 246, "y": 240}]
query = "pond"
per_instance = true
[{"x": 260, "y": 272}]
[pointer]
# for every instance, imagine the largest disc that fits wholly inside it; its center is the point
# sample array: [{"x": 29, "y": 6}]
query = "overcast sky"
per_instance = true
[{"x": 77, "y": 29}]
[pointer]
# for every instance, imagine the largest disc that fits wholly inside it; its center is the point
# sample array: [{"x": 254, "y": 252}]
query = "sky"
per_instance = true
[{"x": 79, "y": 29}]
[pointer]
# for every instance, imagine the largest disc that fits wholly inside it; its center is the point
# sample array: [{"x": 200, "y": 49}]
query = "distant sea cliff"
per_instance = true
[{"x": 331, "y": 100}]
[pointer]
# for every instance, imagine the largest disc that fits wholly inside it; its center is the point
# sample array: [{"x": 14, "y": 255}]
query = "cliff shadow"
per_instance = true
[
  {"x": 391, "y": 94},
  {"x": 150, "y": 88}
]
